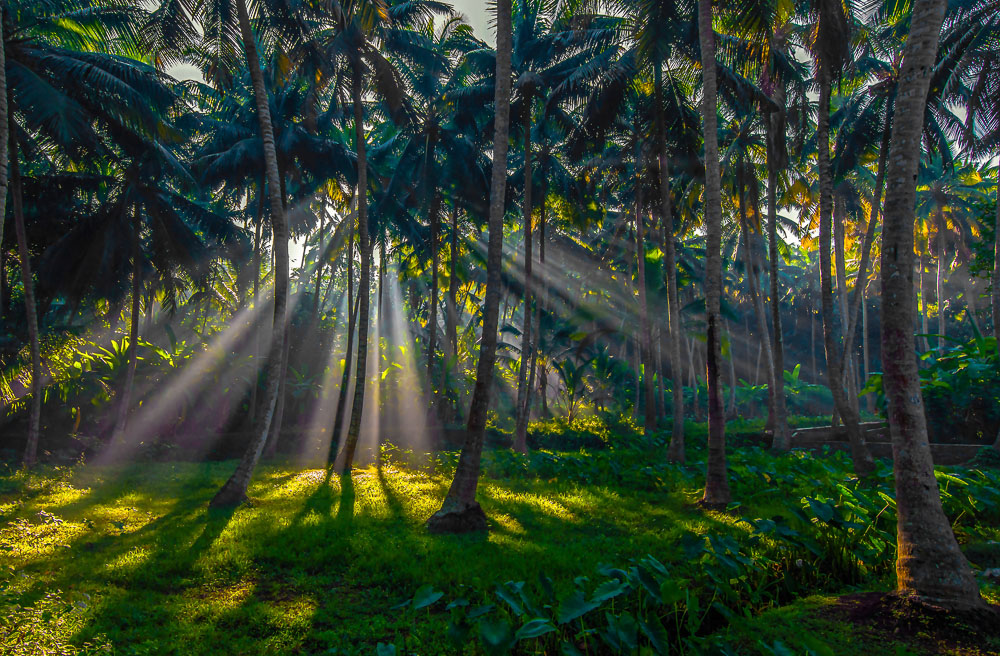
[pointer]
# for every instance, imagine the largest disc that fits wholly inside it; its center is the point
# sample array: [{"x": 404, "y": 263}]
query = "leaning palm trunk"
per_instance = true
[
  {"x": 460, "y": 511},
  {"x": 35, "y": 408},
  {"x": 676, "y": 451},
  {"x": 521, "y": 423},
  {"x": 235, "y": 490},
  {"x": 133, "y": 335},
  {"x": 716, "y": 476},
  {"x": 364, "y": 284},
  {"x": 861, "y": 281},
  {"x": 929, "y": 565},
  {"x": 863, "y": 463},
  {"x": 776, "y": 159}
]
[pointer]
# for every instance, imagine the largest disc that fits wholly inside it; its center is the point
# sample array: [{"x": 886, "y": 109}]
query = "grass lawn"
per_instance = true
[{"x": 133, "y": 558}]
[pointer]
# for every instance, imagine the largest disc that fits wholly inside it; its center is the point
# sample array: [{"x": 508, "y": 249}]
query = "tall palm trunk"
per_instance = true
[
  {"x": 716, "y": 475},
  {"x": 929, "y": 563},
  {"x": 924, "y": 330},
  {"x": 451, "y": 321},
  {"x": 756, "y": 293},
  {"x": 432, "y": 315},
  {"x": 645, "y": 340},
  {"x": 345, "y": 377},
  {"x": 452, "y": 316},
  {"x": 35, "y": 407},
  {"x": 5, "y": 133},
  {"x": 994, "y": 295},
  {"x": 521, "y": 422},
  {"x": 235, "y": 489},
  {"x": 676, "y": 450},
  {"x": 364, "y": 246},
  {"x": 847, "y": 355},
  {"x": 320, "y": 262},
  {"x": 257, "y": 245},
  {"x": 776, "y": 160},
  {"x": 460, "y": 512},
  {"x": 939, "y": 280},
  {"x": 133, "y": 336},
  {"x": 863, "y": 463},
  {"x": 861, "y": 281}
]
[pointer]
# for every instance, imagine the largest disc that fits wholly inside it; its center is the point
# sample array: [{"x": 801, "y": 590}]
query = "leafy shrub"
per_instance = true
[
  {"x": 45, "y": 626},
  {"x": 961, "y": 389}
]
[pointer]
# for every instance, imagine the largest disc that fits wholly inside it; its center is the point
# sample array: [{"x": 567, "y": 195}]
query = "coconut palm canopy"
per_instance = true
[{"x": 638, "y": 247}]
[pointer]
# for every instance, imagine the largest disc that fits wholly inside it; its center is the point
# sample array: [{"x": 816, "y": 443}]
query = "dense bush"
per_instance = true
[{"x": 961, "y": 388}]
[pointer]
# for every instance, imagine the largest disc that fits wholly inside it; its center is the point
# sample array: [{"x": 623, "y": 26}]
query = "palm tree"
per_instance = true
[
  {"x": 946, "y": 196},
  {"x": 716, "y": 492},
  {"x": 460, "y": 511},
  {"x": 65, "y": 86},
  {"x": 929, "y": 565},
  {"x": 830, "y": 53},
  {"x": 224, "y": 31}
]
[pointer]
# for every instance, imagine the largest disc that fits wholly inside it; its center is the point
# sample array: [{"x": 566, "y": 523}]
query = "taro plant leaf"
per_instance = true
[
  {"x": 657, "y": 635},
  {"x": 609, "y": 590},
  {"x": 575, "y": 606},
  {"x": 479, "y": 611},
  {"x": 425, "y": 596},
  {"x": 508, "y": 592},
  {"x": 569, "y": 649},
  {"x": 622, "y": 633},
  {"x": 496, "y": 635},
  {"x": 671, "y": 592},
  {"x": 534, "y": 628},
  {"x": 383, "y": 649}
]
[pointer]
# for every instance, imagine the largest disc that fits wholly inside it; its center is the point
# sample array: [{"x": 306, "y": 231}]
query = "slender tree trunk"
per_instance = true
[
  {"x": 320, "y": 262},
  {"x": 452, "y": 318},
  {"x": 432, "y": 315},
  {"x": 364, "y": 284},
  {"x": 5, "y": 133},
  {"x": 760, "y": 313},
  {"x": 460, "y": 512},
  {"x": 848, "y": 355},
  {"x": 812, "y": 341},
  {"x": 451, "y": 321},
  {"x": 35, "y": 407},
  {"x": 716, "y": 493},
  {"x": 235, "y": 489},
  {"x": 939, "y": 280},
  {"x": 255, "y": 317},
  {"x": 345, "y": 376},
  {"x": 732, "y": 375},
  {"x": 271, "y": 448},
  {"x": 924, "y": 330},
  {"x": 863, "y": 463},
  {"x": 869, "y": 399},
  {"x": 861, "y": 281},
  {"x": 521, "y": 421},
  {"x": 644, "y": 341},
  {"x": 776, "y": 160},
  {"x": 929, "y": 565},
  {"x": 994, "y": 295},
  {"x": 133, "y": 340}
]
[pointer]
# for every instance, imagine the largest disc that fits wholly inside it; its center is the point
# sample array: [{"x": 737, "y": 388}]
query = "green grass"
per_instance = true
[
  {"x": 132, "y": 557},
  {"x": 305, "y": 568}
]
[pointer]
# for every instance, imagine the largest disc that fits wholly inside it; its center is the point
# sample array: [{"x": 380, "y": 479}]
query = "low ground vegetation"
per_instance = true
[{"x": 591, "y": 551}]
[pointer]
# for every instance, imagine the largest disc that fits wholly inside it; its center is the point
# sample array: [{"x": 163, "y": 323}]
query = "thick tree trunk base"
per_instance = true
[
  {"x": 230, "y": 496},
  {"x": 908, "y": 617},
  {"x": 457, "y": 519}
]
